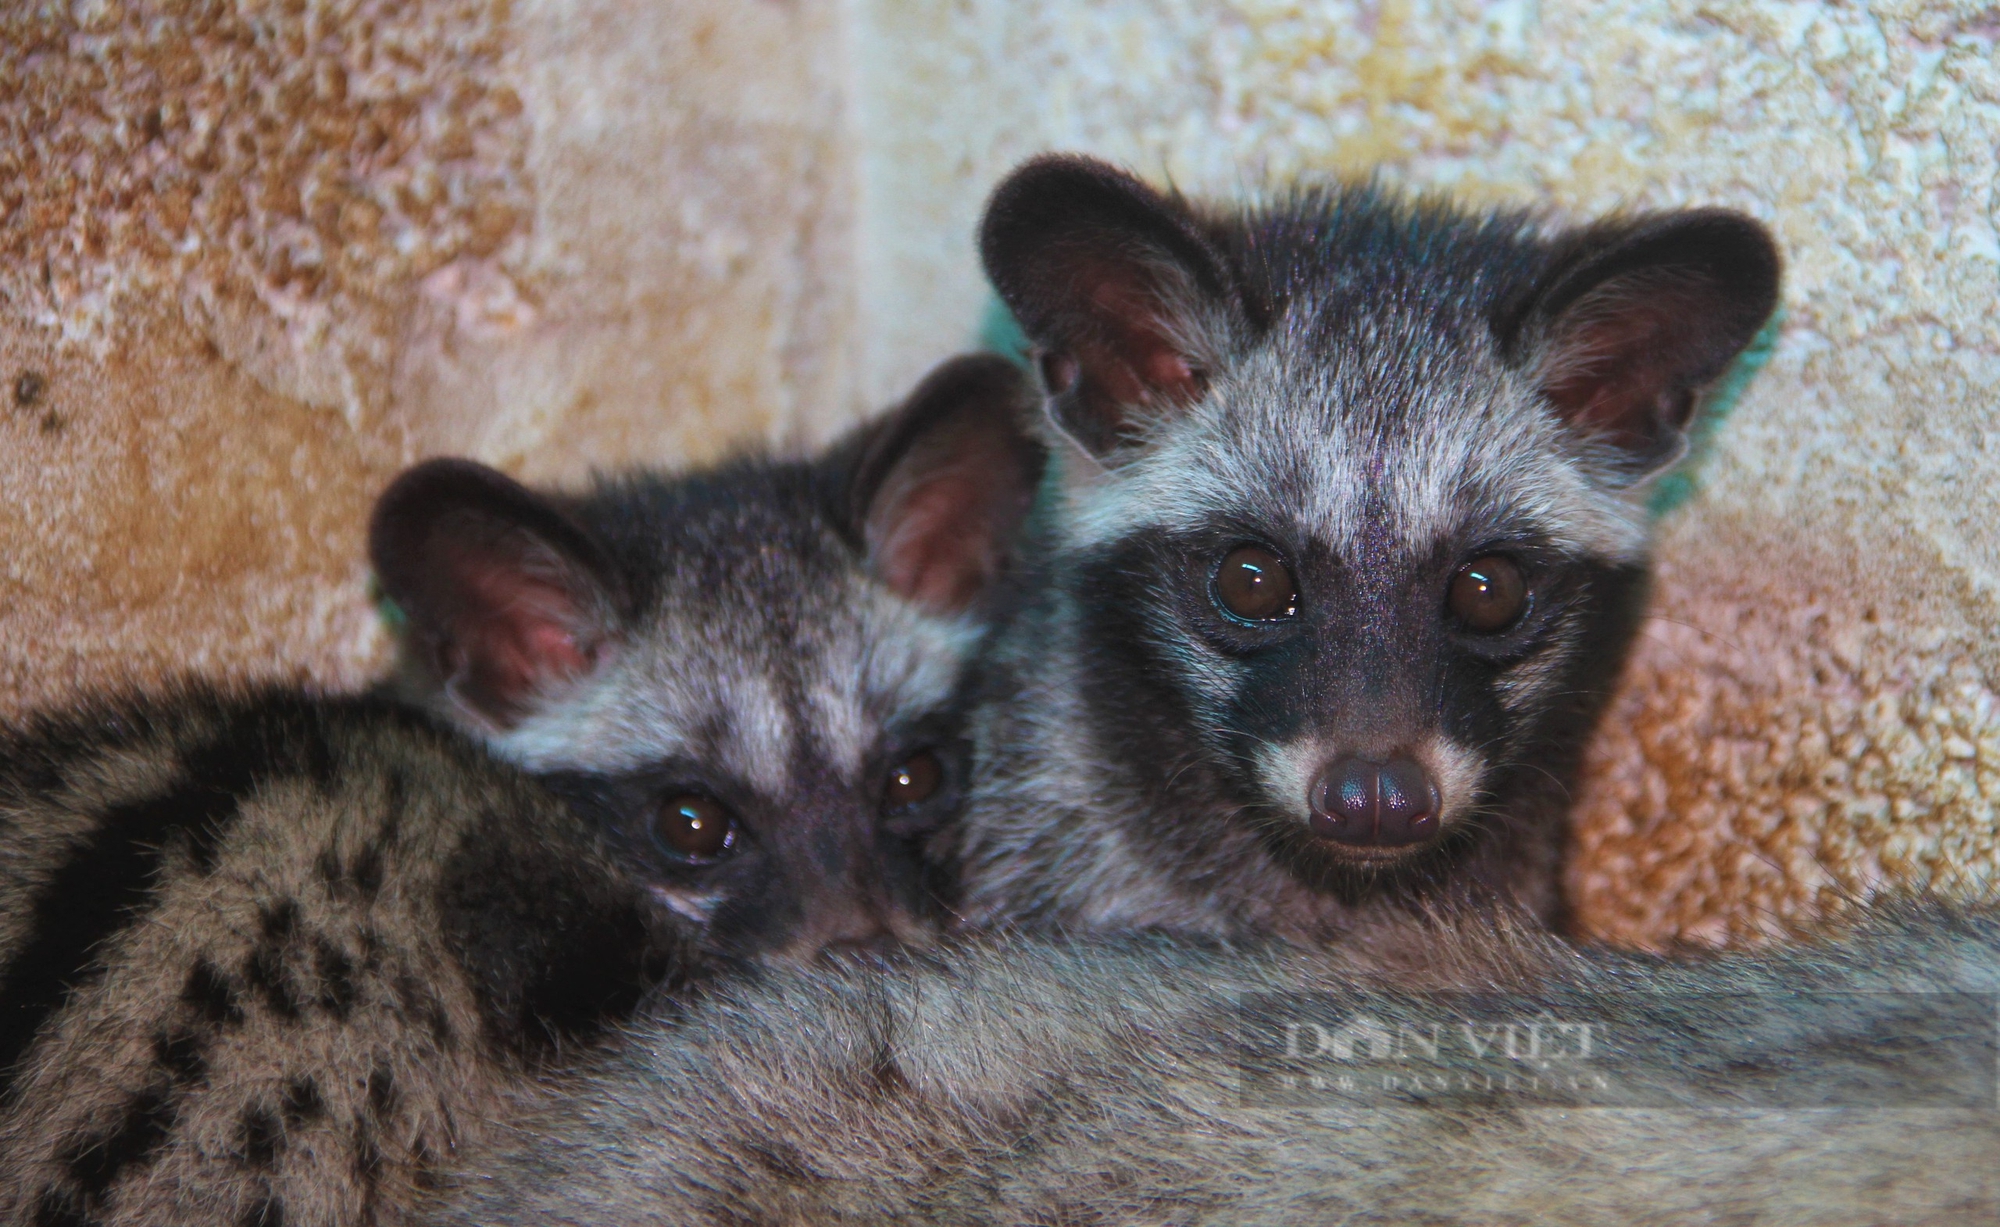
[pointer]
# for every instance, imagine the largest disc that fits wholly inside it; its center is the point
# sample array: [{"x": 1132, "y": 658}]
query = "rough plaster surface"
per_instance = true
[
  {"x": 1810, "y": 715},
  {"x": 254, "y": 257},
  {"x": 285, "y": 174}
]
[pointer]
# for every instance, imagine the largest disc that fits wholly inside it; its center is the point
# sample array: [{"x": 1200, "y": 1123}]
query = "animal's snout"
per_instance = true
[
  {"x": 853, "y": 925},
  {"x": 1362, "y": 803}
]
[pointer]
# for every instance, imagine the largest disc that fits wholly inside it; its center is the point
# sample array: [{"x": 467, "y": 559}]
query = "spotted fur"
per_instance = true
[
  {"x": 1102, "y": 1082},
  {"x": 268, "y": 959},
  {"x": 1376, "y": 390}
]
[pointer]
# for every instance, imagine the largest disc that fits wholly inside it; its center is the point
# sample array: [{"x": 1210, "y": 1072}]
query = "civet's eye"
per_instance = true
[
  {"x": 695, "y": 826},
  {"x": 1255, "y": 585},
  {"x": 1488, "y": 594},
  {"x": 913, "y": 781}
]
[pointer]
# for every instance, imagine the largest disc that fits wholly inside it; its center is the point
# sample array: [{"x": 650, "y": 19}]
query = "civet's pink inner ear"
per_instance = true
[
  {"x": 942, "y": 483},
  {"x": 1131, "y": 345},
  {"x": 1639, "y": 318},
  {"x": 508, "y": 600},
  {"x": 1116, "y": 285}
]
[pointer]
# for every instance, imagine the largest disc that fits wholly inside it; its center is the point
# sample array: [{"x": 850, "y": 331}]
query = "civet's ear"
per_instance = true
[
  {"x": 1128, "y": 304},
  {"x": 1635, "y": 318},
  {"x": 509, "y": 602},
  {"x": 936, "y": 491}
]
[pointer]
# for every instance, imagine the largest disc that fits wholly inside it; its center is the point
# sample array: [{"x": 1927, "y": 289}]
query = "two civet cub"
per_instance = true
[
  {"x": 1343, "y": 547},
  {"x": 1342, "y": 551},
  {"x": 268, "y": 959}
]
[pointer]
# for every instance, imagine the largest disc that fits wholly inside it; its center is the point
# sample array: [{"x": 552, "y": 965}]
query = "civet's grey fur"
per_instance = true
[
  {"x": 1030, "y": 1081},
  {"x": 268, "y": 959},
  {"x": 1376, "y": 390}
]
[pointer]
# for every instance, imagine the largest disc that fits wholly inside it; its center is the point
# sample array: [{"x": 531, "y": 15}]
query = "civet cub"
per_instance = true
[
  {"x": 267, "y": 958},
  {"x": 1344, "y": 542},
  {"x": 749, "y": 677}
]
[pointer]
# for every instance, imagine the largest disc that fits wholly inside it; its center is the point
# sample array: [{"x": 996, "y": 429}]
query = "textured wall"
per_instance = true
[
  {"x": 1811, "y": 712},
  {"x": 255, "y": 257}
]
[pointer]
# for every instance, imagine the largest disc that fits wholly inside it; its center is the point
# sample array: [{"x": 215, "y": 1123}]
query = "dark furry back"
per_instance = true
[
  {"x": 269, "y": 959},
  {"x": 1102, "y": 1083}
]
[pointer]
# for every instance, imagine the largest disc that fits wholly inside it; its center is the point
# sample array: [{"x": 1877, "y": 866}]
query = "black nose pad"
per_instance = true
[{"x": 1367, "y": 804}]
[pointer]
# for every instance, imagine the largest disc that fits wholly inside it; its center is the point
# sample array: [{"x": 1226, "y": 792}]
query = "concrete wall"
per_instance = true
[{"x": 255, "y": 258}]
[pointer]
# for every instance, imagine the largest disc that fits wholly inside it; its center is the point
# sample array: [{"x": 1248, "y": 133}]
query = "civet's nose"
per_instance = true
[{"x": 1367, "y": 804}]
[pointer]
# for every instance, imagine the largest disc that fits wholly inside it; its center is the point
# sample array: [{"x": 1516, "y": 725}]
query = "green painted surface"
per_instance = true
[
  {"x": 1000, "y": 333},
  {"x": 1680, "y": 485},
  {"x": 392, "y": 614}
]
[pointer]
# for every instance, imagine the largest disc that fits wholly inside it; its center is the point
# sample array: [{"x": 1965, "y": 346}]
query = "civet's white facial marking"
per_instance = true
[
  {"x": 1367, "y": 458},
  {"x": 1376, "y": 475}
]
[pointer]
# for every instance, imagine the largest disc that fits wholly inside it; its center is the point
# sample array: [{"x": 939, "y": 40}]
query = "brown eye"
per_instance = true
[
  {"x": 1487, "y": 594},
  {"x": 695, "y": 826},
  {"x": 913, "y": 781},
  {"x": 1254, "y": 585}
]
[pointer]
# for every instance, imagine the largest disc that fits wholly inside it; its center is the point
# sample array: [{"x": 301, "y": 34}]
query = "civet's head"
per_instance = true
[
  {"x": 751, "y": 675},
  {"x": 1351, "y": 517}
]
